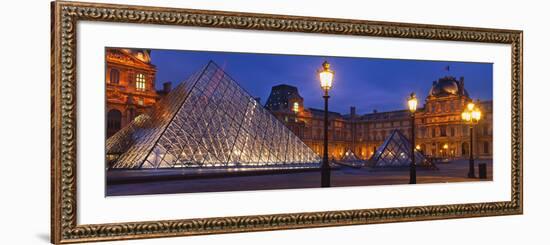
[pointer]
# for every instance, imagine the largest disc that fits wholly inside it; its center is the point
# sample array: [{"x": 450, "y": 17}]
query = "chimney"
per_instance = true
[
  {"x": 374, "y": 111},
  {"x": 167, "y": 87},
  {"x": 258, "y": 99},
  {"x": 352, "y": 111}
]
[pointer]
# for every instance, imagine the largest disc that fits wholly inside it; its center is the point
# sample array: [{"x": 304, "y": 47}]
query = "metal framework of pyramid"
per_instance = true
[
  {"x": 350, "y": 160},
  {"x": 207, "y": 121},
  {"x": 350, "y": 156},
  {"x": 396, "y": 152}
]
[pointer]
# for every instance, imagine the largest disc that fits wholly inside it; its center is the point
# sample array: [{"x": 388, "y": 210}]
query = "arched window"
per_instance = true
[
  {"x": 140, "y": 82},
  {"x": 114, "y": 76},
  {"x": 114, "y": 121}
]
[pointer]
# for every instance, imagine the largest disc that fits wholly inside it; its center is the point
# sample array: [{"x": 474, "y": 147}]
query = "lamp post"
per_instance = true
[
  {"x": 471, "y": 116},
  {"x": 413, "y": 102},
  {"x": 326, "y": 75}
]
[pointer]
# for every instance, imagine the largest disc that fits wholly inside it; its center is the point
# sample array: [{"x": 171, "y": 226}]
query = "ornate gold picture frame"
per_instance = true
[{"x": 64, "y": 107}]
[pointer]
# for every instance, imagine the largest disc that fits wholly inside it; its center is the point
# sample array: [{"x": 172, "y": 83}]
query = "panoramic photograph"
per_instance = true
[{"x": 184, "y": 121}]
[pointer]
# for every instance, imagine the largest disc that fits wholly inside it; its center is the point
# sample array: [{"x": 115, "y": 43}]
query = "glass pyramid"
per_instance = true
[
  {"x": 396, "y": 151},
  {"x": 350, "y": 159},
  {"x": 349, "y": 156},
  {"x": 207, "y": 121}
]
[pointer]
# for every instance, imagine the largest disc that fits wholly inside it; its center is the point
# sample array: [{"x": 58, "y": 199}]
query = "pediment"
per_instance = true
[{"x": 120, "y": 57}]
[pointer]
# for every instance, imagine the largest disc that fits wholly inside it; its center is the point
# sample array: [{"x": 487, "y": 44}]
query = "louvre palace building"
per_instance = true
[
  {"x": 440, "y": 131},
  {"x": 130, "y": 86}
]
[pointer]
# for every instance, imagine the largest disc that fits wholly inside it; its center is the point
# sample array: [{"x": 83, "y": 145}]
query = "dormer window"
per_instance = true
[{"x": 140, "y": 82}]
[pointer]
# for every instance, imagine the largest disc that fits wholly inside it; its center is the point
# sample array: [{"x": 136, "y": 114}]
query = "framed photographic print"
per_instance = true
[{"x": 175, "y": 122}]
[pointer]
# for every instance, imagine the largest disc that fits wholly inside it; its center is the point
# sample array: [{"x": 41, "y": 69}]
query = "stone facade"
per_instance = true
[
  {"x": 440, "y": 132},
  {"x": 130, "y": 86}
]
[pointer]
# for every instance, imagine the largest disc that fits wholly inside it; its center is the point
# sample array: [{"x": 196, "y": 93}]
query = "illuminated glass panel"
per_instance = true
[{"x": 208, "y": 121}]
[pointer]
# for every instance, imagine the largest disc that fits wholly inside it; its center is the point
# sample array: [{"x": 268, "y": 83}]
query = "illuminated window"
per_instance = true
[
  {"x": 140, "y": 82},
  {"x": 295, "y": 107},
  {"x": 114, "y": 76},
  {"x": 140, "y": 101}
]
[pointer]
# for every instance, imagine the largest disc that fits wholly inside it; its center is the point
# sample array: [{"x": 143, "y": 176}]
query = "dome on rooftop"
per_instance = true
[{"x": 448, "y": 86}]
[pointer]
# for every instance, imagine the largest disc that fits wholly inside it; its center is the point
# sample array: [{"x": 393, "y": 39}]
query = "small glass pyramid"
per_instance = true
[
  {"x": 350, "y": 156},
  {"x": 396, "y": 152}
]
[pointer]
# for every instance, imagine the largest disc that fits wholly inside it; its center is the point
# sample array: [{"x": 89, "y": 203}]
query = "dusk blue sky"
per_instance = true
[{"x": 366, "y": 83}]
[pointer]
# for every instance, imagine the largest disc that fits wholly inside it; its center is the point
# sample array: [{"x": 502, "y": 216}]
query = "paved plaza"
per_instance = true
[{"x": 454, "y": 171}]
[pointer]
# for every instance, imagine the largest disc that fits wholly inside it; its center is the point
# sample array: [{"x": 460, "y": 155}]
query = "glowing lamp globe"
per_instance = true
[
  {"x": 326, "y": 75},
  {"x": 476, "y": 115},
  {"x": 470, "y": 106},
  {"x": 466, "y": 116},
  {"x": 413, "y": 102}
]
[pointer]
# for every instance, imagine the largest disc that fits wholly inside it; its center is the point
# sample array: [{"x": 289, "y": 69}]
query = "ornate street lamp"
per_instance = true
[
  {"x": 471, "y": 116},
  {"x": 413, "y": 102},
  {"x": 326, "y": 75}
]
